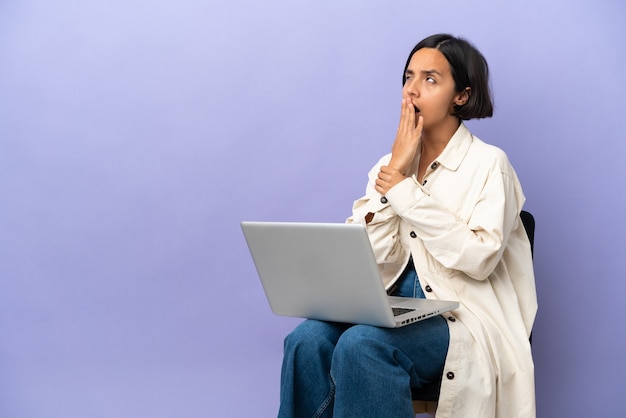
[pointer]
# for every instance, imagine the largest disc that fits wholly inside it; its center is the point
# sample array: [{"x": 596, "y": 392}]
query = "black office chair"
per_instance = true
[
  {"x": 529, "y": 225},
  {"x": 426, "y": 400}
]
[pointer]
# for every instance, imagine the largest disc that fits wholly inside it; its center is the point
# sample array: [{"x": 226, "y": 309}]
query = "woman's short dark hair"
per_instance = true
[{"x": 469, "y": 69}]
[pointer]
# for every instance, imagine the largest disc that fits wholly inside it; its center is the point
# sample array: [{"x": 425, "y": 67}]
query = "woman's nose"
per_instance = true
[{"x": 410, "y": 87}]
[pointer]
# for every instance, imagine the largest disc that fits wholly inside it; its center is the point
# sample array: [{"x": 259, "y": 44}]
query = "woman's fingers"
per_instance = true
[
  {"x": 409, "y": 123},
  {"x": 387, "y": 178},
  {"x": 407, "y": 116},
  {"x": 420, "y": 125}
]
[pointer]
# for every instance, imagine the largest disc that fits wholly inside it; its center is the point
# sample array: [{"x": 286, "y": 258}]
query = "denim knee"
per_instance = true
[
  {"x": 311, "y": 338},
  {"x": 360, "y": 343}
]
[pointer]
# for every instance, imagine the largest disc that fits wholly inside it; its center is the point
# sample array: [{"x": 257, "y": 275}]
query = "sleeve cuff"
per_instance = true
[{"x": 403, "y": 195}]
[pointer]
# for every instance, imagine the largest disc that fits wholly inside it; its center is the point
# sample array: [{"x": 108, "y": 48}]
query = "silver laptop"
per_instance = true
[{"x": 327, "y": 271}]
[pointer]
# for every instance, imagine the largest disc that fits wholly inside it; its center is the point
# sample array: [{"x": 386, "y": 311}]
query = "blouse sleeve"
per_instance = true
[{"x": 380, "y": 219}]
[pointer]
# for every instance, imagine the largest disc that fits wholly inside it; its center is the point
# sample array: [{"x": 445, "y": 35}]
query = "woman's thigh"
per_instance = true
[
  {"x": 312, "y": 331},
  {"x": 420, "y": 347}
]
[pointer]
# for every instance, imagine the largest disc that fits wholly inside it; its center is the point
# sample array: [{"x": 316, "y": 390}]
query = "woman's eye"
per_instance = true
[{"x": 430, "y": 79}]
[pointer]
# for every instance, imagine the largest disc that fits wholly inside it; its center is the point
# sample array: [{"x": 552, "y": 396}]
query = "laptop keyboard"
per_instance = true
[{"x": 400, "y": 311}]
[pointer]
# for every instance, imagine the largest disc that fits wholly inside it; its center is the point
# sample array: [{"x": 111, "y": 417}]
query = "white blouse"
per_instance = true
[{"x": 462, "y": 227}]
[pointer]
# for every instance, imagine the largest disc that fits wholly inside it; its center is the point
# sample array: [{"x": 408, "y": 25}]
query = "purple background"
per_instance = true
[{"x": 135, "y": 135}]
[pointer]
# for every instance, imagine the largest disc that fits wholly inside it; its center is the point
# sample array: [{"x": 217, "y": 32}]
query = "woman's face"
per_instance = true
[{"x": 431, "y": 88}]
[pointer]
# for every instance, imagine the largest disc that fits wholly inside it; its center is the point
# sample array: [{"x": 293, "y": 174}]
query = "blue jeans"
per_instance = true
[{"x": 343, "y": 370}]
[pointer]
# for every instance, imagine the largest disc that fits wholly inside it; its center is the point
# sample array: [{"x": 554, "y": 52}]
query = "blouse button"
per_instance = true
[
  {"x": 451, "y": 319},
  {"x": 383, "y": 200},
  {"x": 434, "y": 165},
  {"x": 428, "y": 288},
  {"x": 413, "y": 234},
  {"x": 450, "y": 375}
]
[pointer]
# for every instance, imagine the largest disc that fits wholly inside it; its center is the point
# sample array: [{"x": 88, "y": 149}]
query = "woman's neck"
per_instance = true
[
  {"x": 433, "y": 143},
  {"x": 434, "y": 140}
]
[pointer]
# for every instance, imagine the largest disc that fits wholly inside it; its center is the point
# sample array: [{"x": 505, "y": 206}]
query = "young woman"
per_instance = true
[{"x": 442, "y": 213}]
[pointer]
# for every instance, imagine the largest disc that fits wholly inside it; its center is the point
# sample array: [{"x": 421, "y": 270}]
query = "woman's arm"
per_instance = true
[
  {"x": 475, "y": 244},
  {"x": 382, "y": 223}
]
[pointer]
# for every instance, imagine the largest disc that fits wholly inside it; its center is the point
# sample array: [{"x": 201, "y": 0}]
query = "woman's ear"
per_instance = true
[{"x": 463, "y": 96}]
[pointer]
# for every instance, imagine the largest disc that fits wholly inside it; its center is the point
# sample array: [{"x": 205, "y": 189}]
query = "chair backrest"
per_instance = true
[{"x": 529, "y": 225}]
